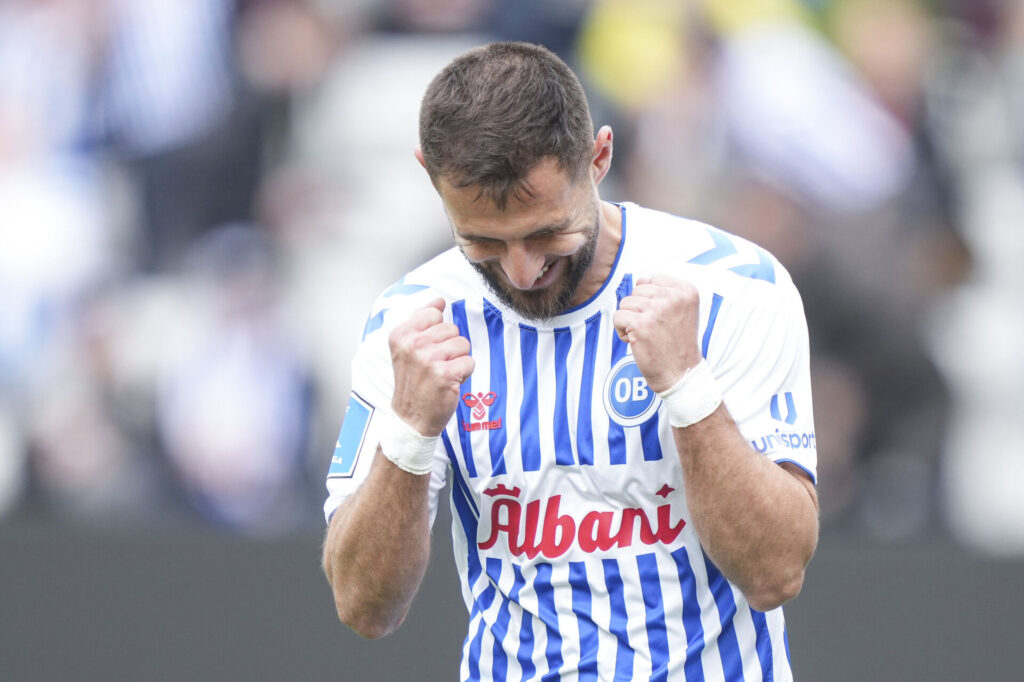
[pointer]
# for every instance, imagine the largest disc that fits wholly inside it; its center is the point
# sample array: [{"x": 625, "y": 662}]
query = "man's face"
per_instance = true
[{"x": 535, "y": 253}]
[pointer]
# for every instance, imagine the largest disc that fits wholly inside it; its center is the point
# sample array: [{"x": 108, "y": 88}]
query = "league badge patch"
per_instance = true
[{"x": 350, "y": 440}]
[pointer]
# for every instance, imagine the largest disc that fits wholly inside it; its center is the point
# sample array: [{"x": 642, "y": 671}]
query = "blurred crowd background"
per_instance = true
[{"x": 200, "y": 198}]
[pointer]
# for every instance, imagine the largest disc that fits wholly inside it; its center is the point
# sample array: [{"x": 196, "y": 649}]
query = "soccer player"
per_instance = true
[{"x": 619, "y": 397}]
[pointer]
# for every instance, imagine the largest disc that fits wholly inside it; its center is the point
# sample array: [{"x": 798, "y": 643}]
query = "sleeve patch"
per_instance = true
[{"x": 350, "y": 440}]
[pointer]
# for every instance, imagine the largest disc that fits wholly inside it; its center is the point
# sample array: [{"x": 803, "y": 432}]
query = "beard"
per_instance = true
[{"x": 553, "y": 299}]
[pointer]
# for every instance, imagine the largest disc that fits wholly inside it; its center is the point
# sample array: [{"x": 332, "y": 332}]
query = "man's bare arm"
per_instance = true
[
  {"x": 757, "y": 520},
  {"x": 377, "y": 548},
  {"x": 378, "y": 542}
]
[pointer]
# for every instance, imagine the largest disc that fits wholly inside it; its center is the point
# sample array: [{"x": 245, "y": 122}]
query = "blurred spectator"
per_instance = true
[
  {"x": 552, "y": 24},
  {"x": 93, "y": 457},
  {"x": 887, "y": 266},
  {"x": 233, "y": 398},
  {"x": 48, "y": 56},
  {"x": 633, "y": 52},
  {"x": 54, "y": 246},
  {"x": 801, "y": 120},
  {"x": 430, "y": 16},
  {"x": 284, "y": 49},
  {"x": 53, "y": 234},
  {"x": 979, "y": 331},
  {"x": 169, "y": 102},
  {"x": 55, "y": 228}
]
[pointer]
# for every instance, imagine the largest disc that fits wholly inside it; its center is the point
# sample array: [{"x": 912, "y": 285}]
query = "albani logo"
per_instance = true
[
  {"x": 479, "y": 404},
  {"x": 532, "y": 527}
]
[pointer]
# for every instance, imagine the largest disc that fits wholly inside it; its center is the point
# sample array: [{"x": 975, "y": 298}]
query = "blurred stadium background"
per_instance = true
[{"x": 199, "y": 199}]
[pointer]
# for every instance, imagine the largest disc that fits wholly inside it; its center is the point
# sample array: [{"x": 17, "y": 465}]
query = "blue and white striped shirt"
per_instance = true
[{"x": 571, "y": 530}]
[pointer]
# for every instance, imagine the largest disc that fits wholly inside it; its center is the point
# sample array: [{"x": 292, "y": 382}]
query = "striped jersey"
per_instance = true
[{"x": 572, "y": 536}]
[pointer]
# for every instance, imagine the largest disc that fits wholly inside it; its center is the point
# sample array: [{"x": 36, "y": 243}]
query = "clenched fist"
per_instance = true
[
  {"x": 431, "y": 360},
  {"x": 659, "y": 322}
]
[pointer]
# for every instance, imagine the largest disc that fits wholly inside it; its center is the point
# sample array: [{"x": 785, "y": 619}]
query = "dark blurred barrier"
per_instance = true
[{"x": 203, "y": 606}]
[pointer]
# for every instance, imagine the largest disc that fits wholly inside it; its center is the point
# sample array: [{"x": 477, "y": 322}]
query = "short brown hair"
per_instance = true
[{"x": 496, "y": 111}]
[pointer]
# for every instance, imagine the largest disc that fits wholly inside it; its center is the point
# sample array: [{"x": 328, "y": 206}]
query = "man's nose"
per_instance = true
[{"x": 521, "y": 266}]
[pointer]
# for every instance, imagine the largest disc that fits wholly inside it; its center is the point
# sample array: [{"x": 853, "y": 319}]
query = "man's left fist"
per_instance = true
[{"x": 659, "y": 322}]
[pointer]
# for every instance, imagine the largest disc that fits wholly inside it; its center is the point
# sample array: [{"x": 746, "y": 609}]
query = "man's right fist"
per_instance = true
[{"x": 431, "y": 360}]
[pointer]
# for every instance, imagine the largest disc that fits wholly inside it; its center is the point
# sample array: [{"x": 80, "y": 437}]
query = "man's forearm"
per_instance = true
[
  {"x": 377, "y": 549},
  {"x": 757, "y": 521}
]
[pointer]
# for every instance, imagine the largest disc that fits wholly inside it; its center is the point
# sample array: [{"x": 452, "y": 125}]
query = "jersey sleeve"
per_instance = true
[
  {"x": 372, "y": 389},
  {"x": 759, "y": 351}
]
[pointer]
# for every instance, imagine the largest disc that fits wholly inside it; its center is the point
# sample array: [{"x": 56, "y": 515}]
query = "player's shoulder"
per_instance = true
[
  {"x": 447, "y": 275},
  {"x": 646, "y": 223},
  {"x": 708, "y": 256}
]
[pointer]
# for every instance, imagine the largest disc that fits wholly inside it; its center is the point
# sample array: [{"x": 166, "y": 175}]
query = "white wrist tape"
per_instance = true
[
  {"x": 693, "y": 398},
  {"x": 405, "y": 446}
]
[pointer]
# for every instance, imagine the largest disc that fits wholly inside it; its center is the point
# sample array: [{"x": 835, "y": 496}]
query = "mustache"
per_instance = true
[
  {"x": 545, "y": 303},
  {"x": 557, "y": 297}
]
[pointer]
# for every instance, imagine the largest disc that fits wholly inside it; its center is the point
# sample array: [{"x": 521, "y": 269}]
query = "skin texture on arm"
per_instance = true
[
  {"x": 757, "y": 520},
  {"x": 377, "y": 549},
  {"x": 378, "y": 542}
]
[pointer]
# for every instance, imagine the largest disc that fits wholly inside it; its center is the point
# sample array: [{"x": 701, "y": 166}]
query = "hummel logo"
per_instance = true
[{"x": 479, "y": 403}]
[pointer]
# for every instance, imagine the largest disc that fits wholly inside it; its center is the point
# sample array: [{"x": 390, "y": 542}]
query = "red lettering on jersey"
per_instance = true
[
  {"x": 596, "y": 532},
  {"x": 552, "y": 537},
  {"x": 510, "y": 525},
  {"x": 502, "y": 489},
  {"x": 559, "y": 530},
  {"x": 667, "y": 533},
  {"x": 482, "y": 426}
]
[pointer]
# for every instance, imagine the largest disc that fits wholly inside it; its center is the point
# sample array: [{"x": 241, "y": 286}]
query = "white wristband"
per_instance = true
[
  {"x": 693, "y": 398},
  {"x": 405, "y": 446}
]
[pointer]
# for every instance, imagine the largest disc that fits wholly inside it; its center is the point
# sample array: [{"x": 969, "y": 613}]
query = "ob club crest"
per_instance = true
[{"x": 628, "y": 399}]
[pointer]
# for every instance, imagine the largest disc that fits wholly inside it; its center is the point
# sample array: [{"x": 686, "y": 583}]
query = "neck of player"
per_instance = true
[{"x": 608, "y": 240}]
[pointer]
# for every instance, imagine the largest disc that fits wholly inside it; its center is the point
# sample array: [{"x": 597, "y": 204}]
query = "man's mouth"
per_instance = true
[{"x": 546, "y": 276}]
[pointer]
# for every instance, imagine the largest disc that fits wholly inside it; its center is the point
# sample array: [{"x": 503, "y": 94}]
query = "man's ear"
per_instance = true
[
  {"x": 601, "y": 162},
  {"x": 418, "y": 151}
]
